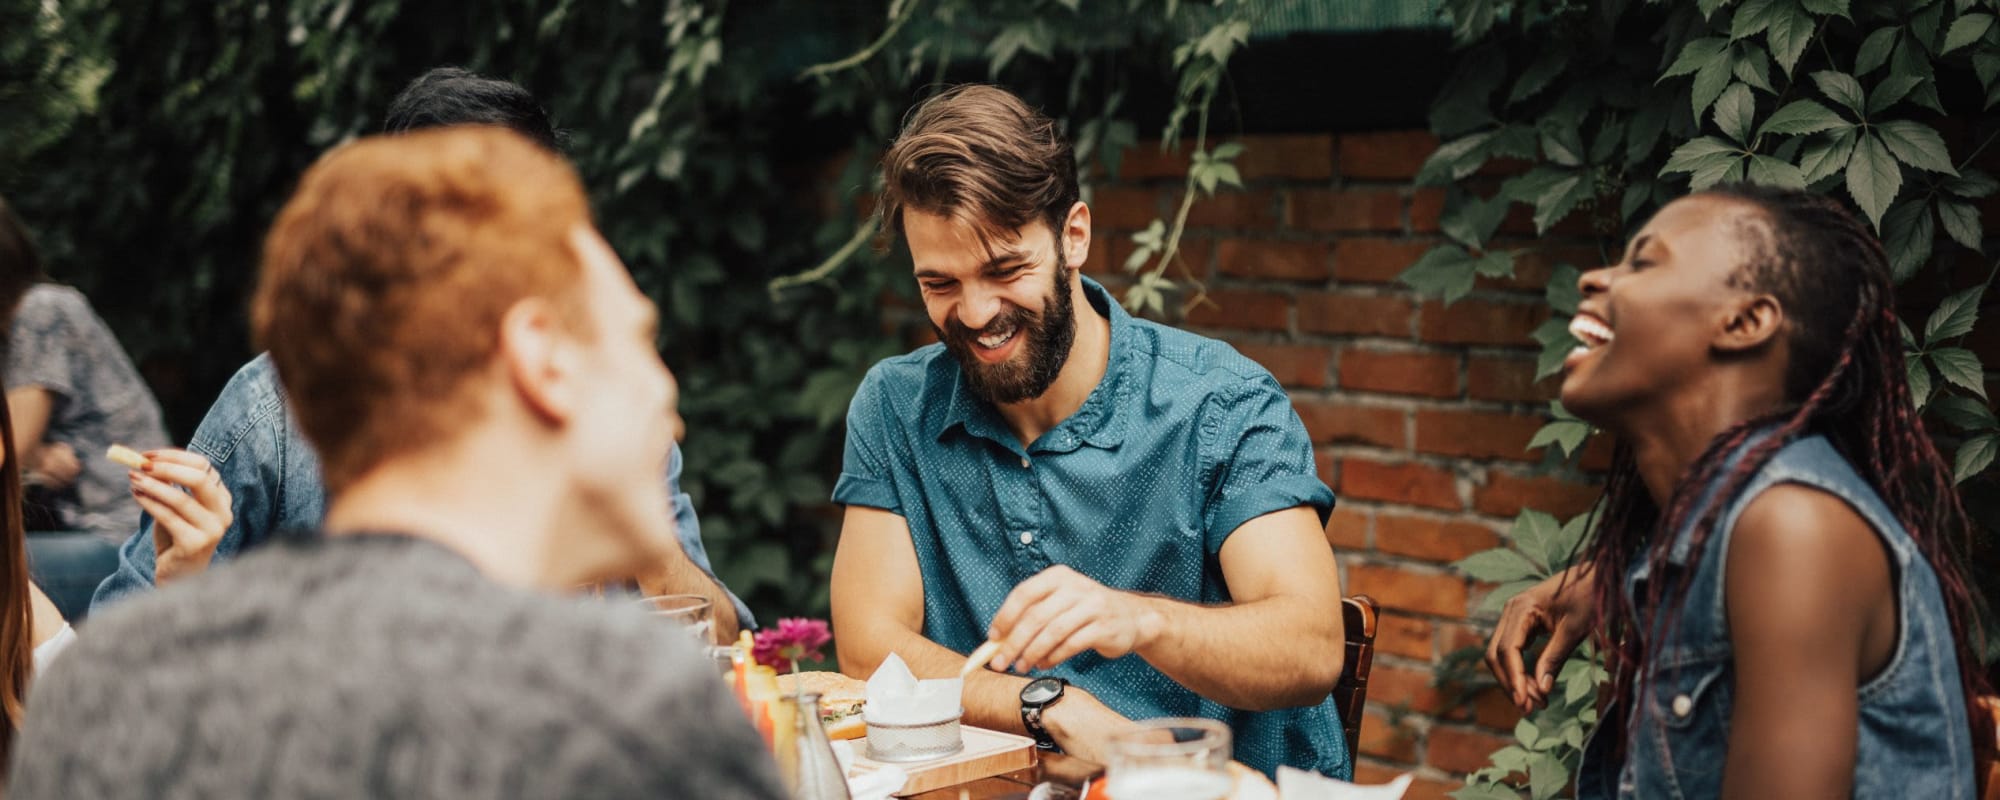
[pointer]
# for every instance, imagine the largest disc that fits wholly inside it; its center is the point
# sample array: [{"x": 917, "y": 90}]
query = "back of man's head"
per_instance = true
[
  {"x": 386, "y": 276},
  {"x": 453, "y": 96}
]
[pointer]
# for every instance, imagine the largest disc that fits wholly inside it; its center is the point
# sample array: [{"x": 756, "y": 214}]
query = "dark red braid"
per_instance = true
[{"x": 1859, "y": 398}]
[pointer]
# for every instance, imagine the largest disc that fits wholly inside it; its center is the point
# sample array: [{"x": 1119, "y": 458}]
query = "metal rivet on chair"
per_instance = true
[{"x": 1683, "y": 706}]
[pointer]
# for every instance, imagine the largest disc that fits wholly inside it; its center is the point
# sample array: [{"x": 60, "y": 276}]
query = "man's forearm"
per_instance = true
[
  {"x": 680, "y": 576},
  {"x": 1277, "y": 652}
]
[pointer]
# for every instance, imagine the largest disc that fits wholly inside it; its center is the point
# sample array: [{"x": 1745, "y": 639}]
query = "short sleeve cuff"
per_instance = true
[
  {"x": 1275, "y": 495},
  {"x": 855, "y": 490}
]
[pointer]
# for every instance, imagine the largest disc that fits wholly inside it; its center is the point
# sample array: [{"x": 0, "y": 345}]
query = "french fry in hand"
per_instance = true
[{"x": 126, "y": 456}]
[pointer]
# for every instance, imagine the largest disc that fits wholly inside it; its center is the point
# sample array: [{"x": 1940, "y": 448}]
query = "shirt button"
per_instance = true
[
  {"x": 1024, "y": 462},
  {"x": 1683, "y": 706},
  {"x": 1027, "y": 537}
]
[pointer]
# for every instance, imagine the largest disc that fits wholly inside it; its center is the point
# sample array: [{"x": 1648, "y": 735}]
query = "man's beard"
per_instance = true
[{"x": 1043, "y": 353}]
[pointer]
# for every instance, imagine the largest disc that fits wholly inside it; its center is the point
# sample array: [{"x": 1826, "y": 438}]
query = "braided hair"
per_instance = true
[{"x": 1846, "y": 378}]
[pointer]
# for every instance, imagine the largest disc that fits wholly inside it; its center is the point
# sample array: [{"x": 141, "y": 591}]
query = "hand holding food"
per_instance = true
[
  {"x": 53, "y": 465},
  {"x": 189, "y": 505},
  {"x": 1061, "y": 612}
]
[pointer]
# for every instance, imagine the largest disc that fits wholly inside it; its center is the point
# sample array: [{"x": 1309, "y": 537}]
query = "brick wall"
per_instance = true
[{"x": 1420, "y": 414}]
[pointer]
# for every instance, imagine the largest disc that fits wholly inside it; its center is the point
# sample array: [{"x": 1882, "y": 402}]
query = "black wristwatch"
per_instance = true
[{"x": 1036, "y": 697}]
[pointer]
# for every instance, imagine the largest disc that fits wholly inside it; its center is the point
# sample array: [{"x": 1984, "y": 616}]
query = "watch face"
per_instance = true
[{"x": 1041, "y": 691}]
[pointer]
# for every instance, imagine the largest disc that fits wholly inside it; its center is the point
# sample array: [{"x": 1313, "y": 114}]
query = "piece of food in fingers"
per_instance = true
[
  {"x": 127, "y": 456},
  {"x": 840, "y": 700},
  {"x": 978, "y": 659}
]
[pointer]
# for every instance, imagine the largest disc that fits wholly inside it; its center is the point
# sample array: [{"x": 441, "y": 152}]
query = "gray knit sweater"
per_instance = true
[{"x": 380, "y": 667}]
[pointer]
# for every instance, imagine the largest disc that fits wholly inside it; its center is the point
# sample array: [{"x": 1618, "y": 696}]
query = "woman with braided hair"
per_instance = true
[{"x": 1775, "y": 578}]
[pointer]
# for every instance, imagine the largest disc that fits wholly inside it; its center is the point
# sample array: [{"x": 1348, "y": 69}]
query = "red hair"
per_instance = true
[{"x": 386, "y": 276}]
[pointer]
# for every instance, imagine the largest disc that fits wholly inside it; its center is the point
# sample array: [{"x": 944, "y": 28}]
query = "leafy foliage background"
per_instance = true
[
  {"x": 1603, "y": 111},
  {"x": 149, "y": 144}
]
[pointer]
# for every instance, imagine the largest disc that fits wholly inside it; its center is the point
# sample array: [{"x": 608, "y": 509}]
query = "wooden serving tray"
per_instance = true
[{"x": 987, "y": 753}]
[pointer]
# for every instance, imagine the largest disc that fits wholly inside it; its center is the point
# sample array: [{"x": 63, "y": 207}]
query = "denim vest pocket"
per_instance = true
[{"x": 1687, "y": 728}]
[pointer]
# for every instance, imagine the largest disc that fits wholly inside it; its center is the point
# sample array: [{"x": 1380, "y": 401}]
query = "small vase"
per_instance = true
[{"x": 808, "y": 762}]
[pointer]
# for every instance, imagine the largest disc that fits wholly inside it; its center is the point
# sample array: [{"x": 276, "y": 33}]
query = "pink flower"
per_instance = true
[{"x": 791, "y": 641}]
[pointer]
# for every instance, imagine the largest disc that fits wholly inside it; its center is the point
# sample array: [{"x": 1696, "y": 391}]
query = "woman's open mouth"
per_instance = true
[{"x": 1592, "y": 332}]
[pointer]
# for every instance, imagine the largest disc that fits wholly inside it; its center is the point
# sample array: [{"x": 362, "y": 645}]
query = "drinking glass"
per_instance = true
[
  {"x": 1177, "y": 758},
  {"x": 693, "y": 611}
]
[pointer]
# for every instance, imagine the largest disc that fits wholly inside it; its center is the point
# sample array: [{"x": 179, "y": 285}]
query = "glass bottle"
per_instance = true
[{"x": 809, "y": 766}]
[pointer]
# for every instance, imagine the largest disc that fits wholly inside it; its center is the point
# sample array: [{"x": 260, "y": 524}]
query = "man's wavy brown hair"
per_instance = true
[{"x": 979, "y": 155}]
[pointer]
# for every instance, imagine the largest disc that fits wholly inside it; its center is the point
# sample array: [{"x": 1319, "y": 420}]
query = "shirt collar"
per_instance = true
[{"x": 1094, "y": 423}]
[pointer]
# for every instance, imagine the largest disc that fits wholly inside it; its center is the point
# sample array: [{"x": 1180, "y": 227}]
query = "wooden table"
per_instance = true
[{"x": 1053, "y": 768}]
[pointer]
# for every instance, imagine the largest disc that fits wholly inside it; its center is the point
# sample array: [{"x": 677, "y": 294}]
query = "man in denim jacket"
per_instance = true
[{"x": 253, "y": 442}]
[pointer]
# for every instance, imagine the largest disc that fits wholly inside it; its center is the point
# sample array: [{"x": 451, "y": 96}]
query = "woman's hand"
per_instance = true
[
  {"x": 190, "y": 509},
  {"x": 1561, "y": 607}
]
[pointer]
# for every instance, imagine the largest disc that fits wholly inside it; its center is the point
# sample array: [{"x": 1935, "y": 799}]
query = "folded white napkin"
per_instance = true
[
  {"x": 896, "y": 697},
  {"x": 1298, "y": 784}
]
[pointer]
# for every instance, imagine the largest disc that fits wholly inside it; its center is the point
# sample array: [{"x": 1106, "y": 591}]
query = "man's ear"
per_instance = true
[
  {"x": 1075, "y": 240},
  {"x": 1753, "y": 324},
  {"x": 540, "y": 360}
]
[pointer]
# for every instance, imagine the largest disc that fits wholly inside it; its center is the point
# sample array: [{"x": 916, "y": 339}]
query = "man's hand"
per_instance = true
[
  {"x": 1566, "y": 617},
  {"x": 54, "y": 465},
  {"x": 1059, "y": 613},
  {"x": 190, "y": 507},
  {"x": 1083, "y": 726}
]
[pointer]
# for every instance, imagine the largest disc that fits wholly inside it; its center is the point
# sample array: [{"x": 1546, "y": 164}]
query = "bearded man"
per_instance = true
[{"x": 1129, "y": 511}]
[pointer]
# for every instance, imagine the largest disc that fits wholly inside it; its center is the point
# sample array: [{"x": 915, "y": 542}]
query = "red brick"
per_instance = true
[
  {"x": 1408, "y": 483},
  {"x": 1412, "y": 373},
  {"x": 1353, "y": 313},
  {"x": 1292, "y": 261},
  {"x": 1406, "y": 636},
  {"x": 1492, "y": 709},
  {"x": 1435, "y": 593},
  {"x": 1461, "y": 636},
  {"x": 1243, "y": 310},
  {"x": 1373, "y": 260},
  {"x": 1388, "y": 155},
  {"x": 1405, "y": 688},
  {"x": 1347, "y": 210},
  {"x": 1294, "y": 365},
  {"x": 1426, "y": 206},
  {"x": 1348, "y": 423},
  {"x": 1347, "y": 530},
  {"x": 1505, "y": 494},
  {"x": 1431, "y": 539},
  {"x": 1193, "y": 255},
  {"x": 1385, "y": 741},
  {"x": 1421, "y": 788},
  {"x": 1328, "y": 467},
  {"x": 1477, "y": 434},
  {"x": 1598, "y": 450},
  {"x": 1455, "y": 749},
  {"x": 1255, "y": 209},
  {"x": 1481, "y": 322},
  {"x": 1146, "y": 160},
  {"x": 1506, "y": 379},
  {"x": 1107, "y": 249},
  {"x": 1124, "y": 207},
  {"x": 1301, "y": 157}
]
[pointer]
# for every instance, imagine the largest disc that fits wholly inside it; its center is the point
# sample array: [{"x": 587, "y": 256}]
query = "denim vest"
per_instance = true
[{"x": 1914, "y": 740}]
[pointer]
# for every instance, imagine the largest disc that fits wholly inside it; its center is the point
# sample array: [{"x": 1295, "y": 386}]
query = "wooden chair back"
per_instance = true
[{"x": 1350, "y": 695}]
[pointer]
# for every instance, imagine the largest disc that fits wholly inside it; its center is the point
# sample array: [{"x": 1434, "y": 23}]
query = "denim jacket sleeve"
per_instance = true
[
  {"x": 688, "y": 527},
  {"x": 272, "y": 475}
]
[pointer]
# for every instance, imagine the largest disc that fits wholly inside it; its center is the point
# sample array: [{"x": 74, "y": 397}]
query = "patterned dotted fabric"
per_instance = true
[{"x": 1183, "y": 441}]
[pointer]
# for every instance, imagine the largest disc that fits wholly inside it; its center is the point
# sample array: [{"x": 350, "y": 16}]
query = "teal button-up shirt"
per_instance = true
[{"x": 1182, "y": 442}]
